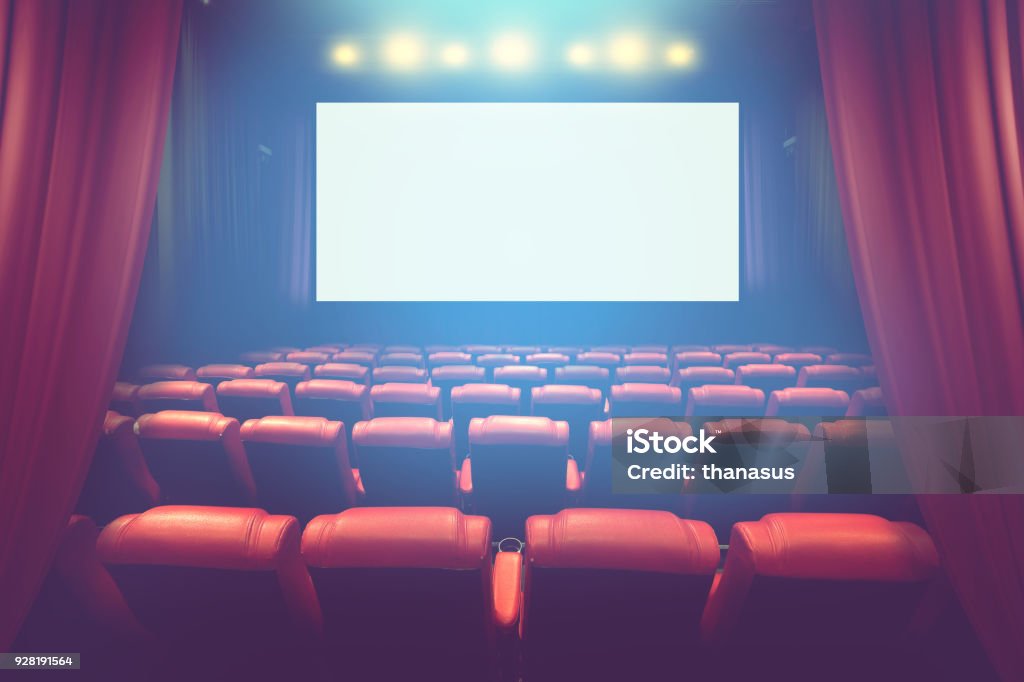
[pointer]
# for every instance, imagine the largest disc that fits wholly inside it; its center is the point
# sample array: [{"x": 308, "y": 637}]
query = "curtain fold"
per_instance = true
[
  {"x": 925, "y": 106},
  {"x": 85, "y": 89}
]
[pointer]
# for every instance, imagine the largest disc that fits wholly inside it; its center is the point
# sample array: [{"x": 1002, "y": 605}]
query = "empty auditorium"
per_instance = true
[{"x": 534, "y": 341}]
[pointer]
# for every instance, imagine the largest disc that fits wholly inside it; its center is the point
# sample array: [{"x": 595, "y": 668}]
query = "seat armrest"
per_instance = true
[
  {"x": 507, "y": 582},
  {"x": 360, "y": 490},
  {"x": 466, "y": 478},
  {"x": 573, "y": 481}
]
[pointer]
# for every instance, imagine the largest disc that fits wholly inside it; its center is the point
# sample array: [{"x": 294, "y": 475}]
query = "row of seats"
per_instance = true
[
  {"x": 303, "y": 466},
  {"x": 401, "y": 592}
]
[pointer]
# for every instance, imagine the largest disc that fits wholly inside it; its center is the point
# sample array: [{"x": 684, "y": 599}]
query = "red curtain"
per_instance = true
[
  {"x": 925, "y": 106},
  {"x": 85, "y": 89}
]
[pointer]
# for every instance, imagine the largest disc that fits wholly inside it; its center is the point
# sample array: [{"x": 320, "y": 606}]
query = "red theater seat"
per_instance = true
[
  {"x": 651, "y": 348},
  {"x": 575, "y": 405},
  {"x": 523, "y": 377},
  {"x": 490, "y": 361},
  {"x": 479, "y": 400},
  {"x": 360, "y": 374},
  {"x": 254, "y": 398},
  {"x": 867, "y": 402},
  {"x": 768, "y": 378},
  {"x": 725, "y": 349},
  {"x": 404, "y": 349},
  {"x": 771, "y": 348},
  {"x": 807, "y": 402},
  {"x": 614, "y": 593},
  {"x": 548, "y": 361},
  {"x": 804, "y": 581},
  {"x": 408, "y": 591},
  {"x": 285, "y": 350},
  {"x": 688, "y": 348},
  {"x": 642, "y": 374},
  {"x": 839, "y": 377},
  {"x": 300, "y": 465},
  {"x": 288, "y": 373},
  {"x": 401, "y": 360},
  {"x": 355, "y": 357},
  {"x": 725, "y": 401},
  {"x": 214, "y": 374},
  {"x": 196, "y": 457},
  {"x": 614, "y": 350},
  {"x": 645, "y": 358},
  {"x": 125, "y": 399},
  {"x": 406, "y": 461},
  {"x": 119, "y": 481},
  {"x": 448, "y": 377},
  {"x": 399, "y": 374},
  {"x": 851, "y": 359},
  {"x": 151, "y": 373},
  {"x": 406, "y": 400},
  {"x": 797, "y": 360},
  {"x": 599, "y": 359},
  {"x": 448, "y": 358},
  {"x": 697, "y": 358},
  {"x": 369, "y": 348},
  {"x": 476, "y": 350},
  {"x": 734, "y": 360},
  {"x": 590, "y": 376},
  {"x": 521, "y": 351},
  {"x": 645, "y": 400},
  {"x": 259, "y": 357},
  {"x": 518, "y": 466},
  {"x": 213, "y": 580},
  {"x": 308, "y": 358},
  {"x": 178, "y": 395},
  {"x": 343, "y": 401},
  {"x": 329, "y": 348},
  {"x": 694, "y": 377},
  {"x": 568, "y": 351}
]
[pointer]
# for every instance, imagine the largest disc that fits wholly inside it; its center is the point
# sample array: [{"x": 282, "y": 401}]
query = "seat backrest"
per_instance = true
[
  {"x": 259, "y": 357},
  {"x": 616, "y": 350},
  {"x": 300, "y": 465},
  {"x": 820, "y": 579},
  {"x": 308, "y": 358},
  {"x": 212, "y": 577},
  {"x": 591, "y": 376},
  {"x": 337, "y": 400},
  {"x": 651, "y": 348},
  {"x": 329, "y": 348},
  {"x": 823, "y": 351},
  {"x": 289, "y": 373},
  {"x": 521, "y": 351},
  {"x": 657, "y": 359},
  {"x": 478, "y": 349},
  {"x": 548, "y": 360},
  {"x": 402, "y": 374},
  {"x": 254, "y": 398},
  {"x": 726, "y": 348},
  {"x": 119, "y": 481},
  {"x": 479, "y": 400},
  {"x": 353, "y": 356},
  {"x": 403, "y": 349},
  {"x": 518, "y": 468},
  {"x": 406, "y": 461},
  {"x": 575, "y": 405},
  {"x": 807, "y": 402},
  {"x": 642, "y": 374},
  {"x": 196, "y": 457},
  {"x": 772, "y": 348},
  {"x": 693, "y": 377},
  {"x": 594, "y": 575},
  {"x": 839, "y": 377},
  {"x": 867, "y": 402},
  {"x": 767, "y": 442},
  {"x": 404, "y": 589},
  {"x": 402, "y": 359},
  {"x": 214, "y": 374},
  {"x": 446, "y": 377},
  {"x": 492, "y": 360},
  {"x": 125, "y": 399},
  {"x": 734, "y": 360},
  {"x": 151, "y": 373},
  {"x": 851, "y": 359},
  {"x": 768, "y": 378},
  {"x": 406, "y": 400},
  {"x": 360, "y": 374},
  {"x": 599, "y": 359},
  {"x": 645, "y": 400},
  {"x": 597, "y": 488},
  {"x": 697, "y": 358},
  {"x": 523, "y": 377},
  {"x": 725, "y": 401},
  {"x": 448, "y": 358},
  {"x": 178, "y": 395},
  {"x": 797, "y": 360},
  {"x": 568, "y": 351}
]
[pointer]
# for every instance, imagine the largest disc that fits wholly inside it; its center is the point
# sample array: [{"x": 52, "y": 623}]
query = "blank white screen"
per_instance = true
[{"x": 527, "y": 202}]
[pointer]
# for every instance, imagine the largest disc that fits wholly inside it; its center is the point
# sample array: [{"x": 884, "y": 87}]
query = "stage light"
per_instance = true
[
  {"x": 454, "y": 55},
  {"x": 511, "y": 52},
  {"x": 629, "y": 51},
  {"x": 580, "y": 55},
  {"x": 403, "y": 52},
  {"x": 680, "y": 54},
  {"x": 345, "y": 55}
]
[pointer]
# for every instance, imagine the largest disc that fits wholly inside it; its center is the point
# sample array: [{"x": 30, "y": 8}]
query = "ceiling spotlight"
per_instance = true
[
  {"x": 511, "y": 52},
  {"x": 629, "y": 51},
  {"x": 403, "y": 52},
  {"x": 580, "y": 55},
  {"x": 345, "y": 55},
  {"x": 454, "y": 55},
  {"x": 680, "y": 55}
]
